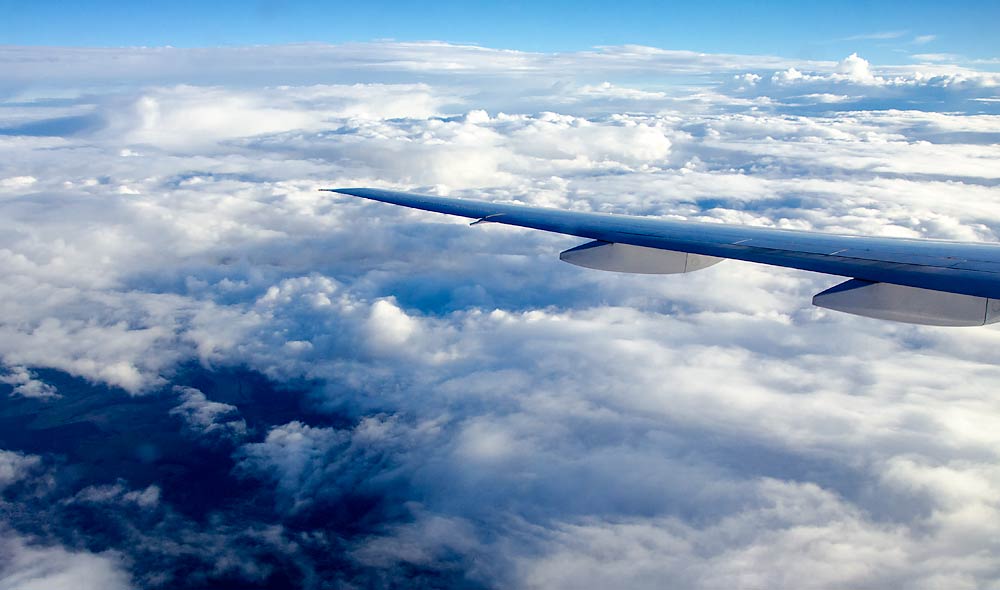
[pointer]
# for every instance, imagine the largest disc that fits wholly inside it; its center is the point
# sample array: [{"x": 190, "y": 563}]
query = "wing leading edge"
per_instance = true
[{"x": 919, "y": 281}]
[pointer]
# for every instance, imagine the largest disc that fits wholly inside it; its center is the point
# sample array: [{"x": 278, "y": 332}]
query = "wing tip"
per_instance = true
[{"x": 343, "y": 191}]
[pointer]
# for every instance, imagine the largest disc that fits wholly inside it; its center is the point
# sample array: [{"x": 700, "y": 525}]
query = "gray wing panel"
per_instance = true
[{"x": 954, "y": 267}]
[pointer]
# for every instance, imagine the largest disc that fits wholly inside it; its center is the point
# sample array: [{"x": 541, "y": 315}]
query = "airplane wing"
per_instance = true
[{"x": 931, "y": 282}]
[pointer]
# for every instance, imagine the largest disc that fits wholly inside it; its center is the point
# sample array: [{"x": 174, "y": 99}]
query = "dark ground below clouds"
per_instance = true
[{"x": 207, "y": 514}]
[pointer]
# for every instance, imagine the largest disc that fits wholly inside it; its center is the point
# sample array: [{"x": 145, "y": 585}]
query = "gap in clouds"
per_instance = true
[{"x": 165, "y": 493}]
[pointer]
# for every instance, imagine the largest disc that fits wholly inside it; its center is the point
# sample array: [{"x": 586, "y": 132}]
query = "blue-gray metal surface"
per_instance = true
[{"x": 955, "y": 267}]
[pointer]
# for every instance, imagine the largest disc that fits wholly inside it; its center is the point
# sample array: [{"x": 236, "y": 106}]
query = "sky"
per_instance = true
[
  {"x": 805, "y": 30},
  {"x": 212, "y": 375}
]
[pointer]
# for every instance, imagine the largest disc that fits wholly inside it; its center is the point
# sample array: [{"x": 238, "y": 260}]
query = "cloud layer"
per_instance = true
[{"x": 216, "y": 375}]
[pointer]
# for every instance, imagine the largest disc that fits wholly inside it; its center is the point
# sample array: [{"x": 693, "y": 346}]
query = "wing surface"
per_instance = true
[{"x": 963, "y": 268}]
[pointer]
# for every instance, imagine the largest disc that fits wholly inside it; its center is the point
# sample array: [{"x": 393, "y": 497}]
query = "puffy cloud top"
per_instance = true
[{"x": 857, "y": 69}]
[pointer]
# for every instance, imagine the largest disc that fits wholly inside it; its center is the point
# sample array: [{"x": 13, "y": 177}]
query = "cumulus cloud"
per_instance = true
[
  {"x": 250, "y": 383},
  {"x": 29, "y": 566},
  {"x": 929, "y": 86},
  {"x": 206, "y": 417},
  {"x": 15, "y": 466},
  {"x": 856, "y": 69},
  {"x": 25, "y": 384}
]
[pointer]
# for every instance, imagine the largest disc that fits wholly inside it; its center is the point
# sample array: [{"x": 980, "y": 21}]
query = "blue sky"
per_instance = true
[{"x": 884, "y": 31}]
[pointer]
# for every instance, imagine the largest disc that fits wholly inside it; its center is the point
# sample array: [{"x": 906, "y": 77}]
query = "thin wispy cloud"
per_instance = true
[
  {"x": 937, "y": 57},
  {"x": 877, "y": 36}
]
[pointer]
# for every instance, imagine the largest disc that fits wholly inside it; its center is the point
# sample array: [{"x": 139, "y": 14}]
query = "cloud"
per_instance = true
[
  {"x": 387, "y": 61},
  {"x": 931, "y": 85},
  {"x": 801, "y": 532},
  {"x": 225, "y": 377},
  {"x": 164, "y": 117},
  {"x": 879, "y": 36},
  {"x": 856, "y": 69},
  {"x": 25, "y": 384},
  {"x": 937, "y": 57},
  {"x": 28, "y": 566},
  {"x": 16, "y": 182},
  {"x": 15, "y": 466},
  {"x": 207, "y": 417},
  {"x": 117, "y": 492}
]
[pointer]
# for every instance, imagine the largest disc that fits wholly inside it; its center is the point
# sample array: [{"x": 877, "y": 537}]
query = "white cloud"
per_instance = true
[
  {"x": 878, "y": 36},
  {"x": 28, "y": 566},
  {"x": 931, "y": 85},
  {"x": 856, "y": 69},
  {"x": 119, "y": 493},
  {"x": 852, "y": 69},
  {"x": 304, "y": 64},
  {"x": 937, "y": 57},
  {"x": 390, "y": 326},
  {"x": 208, "y": 417},
  {"x": 25, "y": 384},
  {"x": 15, "y": 466},
  {"x": 800, "y": 536},
  {"x": 826, "y": 97},
  {"x": 427, "y": 542},
  {"x": 190, "y": 118},
  {"x": 17, "y": 182},
  {"x": 295, "y": 456},
  {"x": 551, "y": 426}
]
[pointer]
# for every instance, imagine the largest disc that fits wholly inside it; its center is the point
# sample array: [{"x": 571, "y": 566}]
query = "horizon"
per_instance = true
[{"x": 803, "y": 31}]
